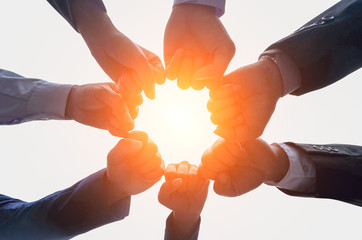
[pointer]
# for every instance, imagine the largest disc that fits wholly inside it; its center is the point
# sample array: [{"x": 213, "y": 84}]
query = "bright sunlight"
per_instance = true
[{"x": 179, "y": 123}]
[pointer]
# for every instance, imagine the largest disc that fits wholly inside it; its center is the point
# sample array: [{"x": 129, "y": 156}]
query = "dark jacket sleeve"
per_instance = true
[
  {"x": 61, "y": 215},
  {"x": 327, "y": 48},
  {"x": 171, "y": 234},
  {"x": 338, "y": 172},
  {"x": 64, "y": 8}
]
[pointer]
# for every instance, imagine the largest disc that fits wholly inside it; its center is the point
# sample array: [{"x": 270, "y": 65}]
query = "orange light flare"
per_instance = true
[{"x": 178, "y": 122}]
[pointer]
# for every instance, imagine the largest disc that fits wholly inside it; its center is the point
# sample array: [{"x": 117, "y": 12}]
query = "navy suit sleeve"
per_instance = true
[
  {"x": 327, "y": 48},
  {"x": 61, "y": 215},
  {"x": 64, "y": 8},
  {"x": 338, "y": 172}
]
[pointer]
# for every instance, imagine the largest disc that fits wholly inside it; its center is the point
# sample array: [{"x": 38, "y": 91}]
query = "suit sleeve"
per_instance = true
[
  {"x": 64, "y": 8},
  {"x": 28, "y": 99},
  {"x": 171, "y": 233},
  {"x": 338, "y": 172},
  {"x": 327, "y": 48},
  {"x": 61, "y": 215}
]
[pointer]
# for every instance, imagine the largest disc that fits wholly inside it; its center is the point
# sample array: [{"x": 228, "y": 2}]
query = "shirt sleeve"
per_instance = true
[
  {"x": 61, "y": 215},
  {"x": 301, "y": 175},
  {"x": 27, "y": 99},
  {"x": 171, "y": 234},
  {"x": 64, "y": 8},
  {"x": 218, "y": 4}
]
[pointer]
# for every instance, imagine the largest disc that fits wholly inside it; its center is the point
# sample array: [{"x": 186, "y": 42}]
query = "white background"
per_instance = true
[{"x": 39, "y": 158}]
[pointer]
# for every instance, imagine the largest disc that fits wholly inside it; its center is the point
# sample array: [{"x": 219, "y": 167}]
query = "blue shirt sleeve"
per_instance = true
[
  {"x": 27, "y": 99},
  {"x": 171, "y": 233},
  {"x": 61, "y": 215}
]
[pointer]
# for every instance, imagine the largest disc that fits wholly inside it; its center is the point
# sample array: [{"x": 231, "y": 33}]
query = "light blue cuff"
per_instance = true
[
  {"x": 218, "y": 4},
  {"x": 48, "y": 101}
]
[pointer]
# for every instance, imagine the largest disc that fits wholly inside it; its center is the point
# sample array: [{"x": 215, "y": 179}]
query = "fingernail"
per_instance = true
[{"x": 135, "y": 145}]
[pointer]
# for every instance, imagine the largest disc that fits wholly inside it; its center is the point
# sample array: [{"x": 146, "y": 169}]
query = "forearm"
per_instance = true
[
  {"x": 338, "y": 172},
  {"x": 27, "y": 99},
  {"x": 63, "y": 214},
  {"x": 321, "y": 48}
]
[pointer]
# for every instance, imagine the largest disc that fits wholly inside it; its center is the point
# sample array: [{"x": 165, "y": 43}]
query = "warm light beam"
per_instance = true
[{"x": 178, "y": 122}]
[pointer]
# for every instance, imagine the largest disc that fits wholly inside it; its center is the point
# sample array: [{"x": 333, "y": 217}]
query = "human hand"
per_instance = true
[
  {"x": 197, "y": 48},
  {"x": 238, "y": 169},
  {"x": 243, "y": 105},
  {"x": 99, "y": 105},
  {"x": 125, "y": 62},
  {"x": 184, "y": 192},
  {"x": 133, "y": 165}
]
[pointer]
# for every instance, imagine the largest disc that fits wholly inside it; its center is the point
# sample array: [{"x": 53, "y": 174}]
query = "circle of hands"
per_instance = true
[{"x": 197, "y": 51}]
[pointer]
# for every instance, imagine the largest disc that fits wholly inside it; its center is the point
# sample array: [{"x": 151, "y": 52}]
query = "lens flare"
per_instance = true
[{"x": 179, "y": 123}]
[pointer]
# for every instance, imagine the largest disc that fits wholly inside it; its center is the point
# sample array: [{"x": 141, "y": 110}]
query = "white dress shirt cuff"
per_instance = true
[
  {"x": 288, "y": 70},
  {"x": 301, "y": 175},
  {"x": 48, "y": 101},
  {"x": 218, "y": 4}
]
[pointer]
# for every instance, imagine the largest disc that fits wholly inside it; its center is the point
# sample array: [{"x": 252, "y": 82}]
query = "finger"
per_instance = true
[
  {"x": 214, "y": 72},
  {"x": 124, "y": 149},
  {"x": 197, "y": 84},
  {"x": 156, "y": 65},
  {"x": 228, "y": 133},
  {"x": 212, "y": 163},
  {"x": 146, "y": 79},
  {"x": 214, "y": 106},
  {"x": 223, "y": 186},
  {"x": 133, "y": 111},
  {"x": 171, "y": 172},
  {"x": 224, "y": 115},
  {"x": 193, "y": 178},
  {"x": 224, "y": 91},
  {"x": 139, "y": 135},
  {"x": 151, "y": 164},
  {"x": 205, "y": 172},
  {"x": 148, "y": 151},
  {"x": 156, "y": 174},
  {"x": 227, "y": 153},
  {"x": 128, "y": 85},
  {"x": 182, "y": 172},
  {"x": 172, "y": 69},
  {"x": 185, "y": 73},
  {"x": 167, "y": 189}
]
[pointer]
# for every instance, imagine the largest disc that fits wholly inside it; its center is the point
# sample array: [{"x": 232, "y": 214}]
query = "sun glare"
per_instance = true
[{"x": 178, "y": 122}]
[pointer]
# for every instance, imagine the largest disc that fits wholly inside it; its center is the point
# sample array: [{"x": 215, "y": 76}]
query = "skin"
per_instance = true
[
  {"x": 185, "y": 193},
  {"x": 100, "y": 105},
  {"x": 239, "y": 168},
  {"x": 197, "y": 48},
  {"x": 245, "y": 101},
  {"x": 133, "y": 166},
  {"x": 131, "y": 66}
]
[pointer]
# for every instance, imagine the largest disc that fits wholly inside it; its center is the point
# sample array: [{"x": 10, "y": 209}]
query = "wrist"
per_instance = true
[
  {"x": 91, "y": 21},
  {"x": 70, "y": 103},
  {"x": 112, "y": 191},
  {"x": 280, "y": 166},
  {"x": 273, "y": 74},
  {"x": 184, "y": 217},
  {"x": 186, "y": 8}
]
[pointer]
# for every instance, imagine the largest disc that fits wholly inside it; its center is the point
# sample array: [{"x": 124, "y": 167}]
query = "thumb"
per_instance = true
[
  {"x": 167, "y": 189},
  {"x": 223, "y": 185},
  {"x": 125, "y": 148}
]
